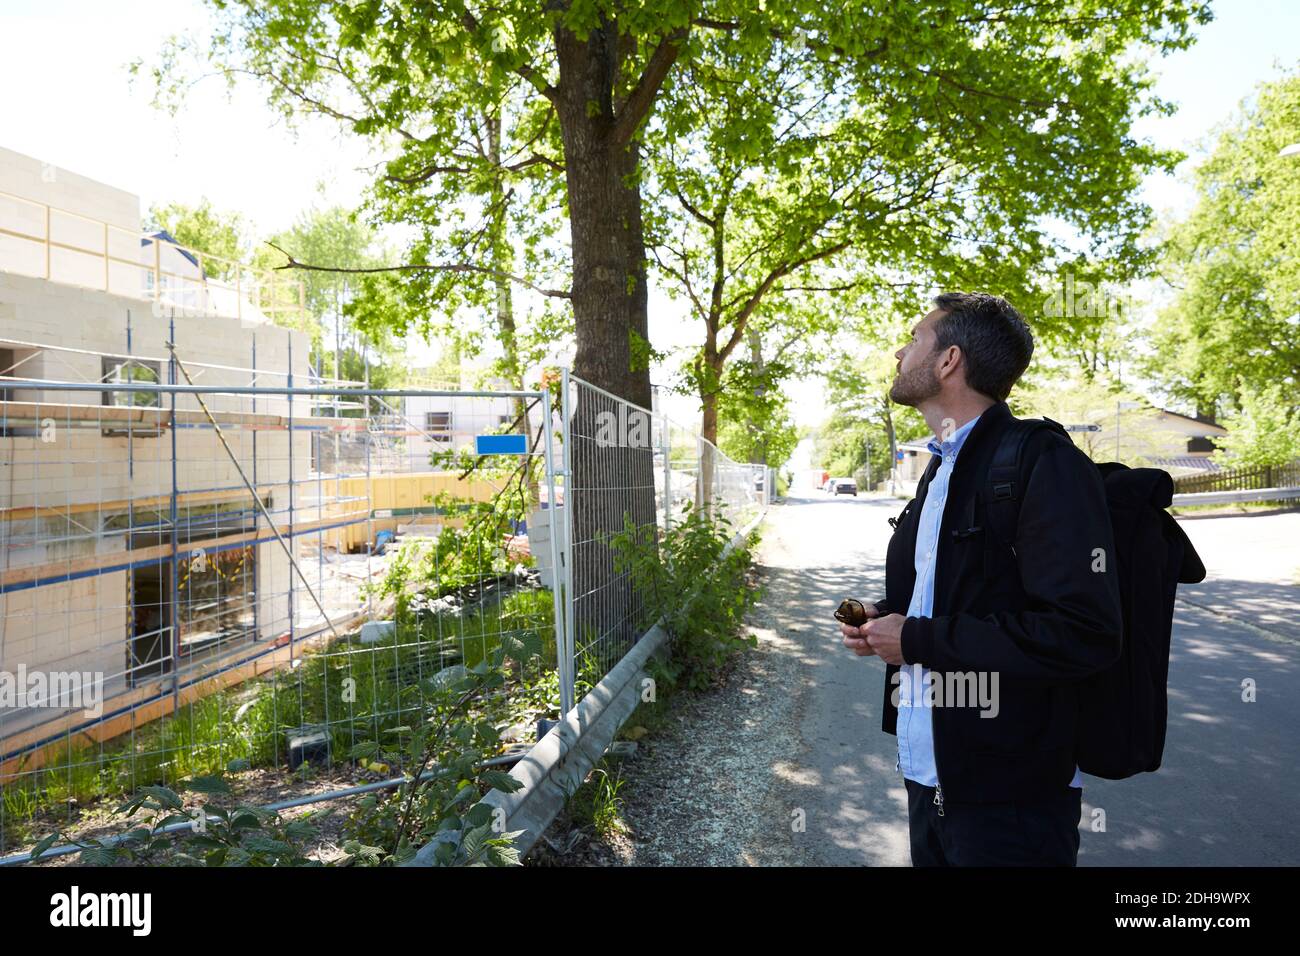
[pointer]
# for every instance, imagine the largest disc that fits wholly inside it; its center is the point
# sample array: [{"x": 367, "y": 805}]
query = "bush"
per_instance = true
[{"x": 698, "y": 587}]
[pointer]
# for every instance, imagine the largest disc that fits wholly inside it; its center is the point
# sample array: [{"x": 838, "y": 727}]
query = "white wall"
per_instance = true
[{"x": 40, "y": 182}]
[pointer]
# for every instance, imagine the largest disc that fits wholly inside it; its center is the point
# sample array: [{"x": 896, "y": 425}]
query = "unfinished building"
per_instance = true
[{"x": 130, "y": 544}]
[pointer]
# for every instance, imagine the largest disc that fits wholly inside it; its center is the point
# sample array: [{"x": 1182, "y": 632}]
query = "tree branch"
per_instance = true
[
  {"x": 742, "y": 317},
  {"x": 686, "y": 204},
  {"x": 446, "y": 267},
  {"x": 647, "y": 87},
  {"x": 535, "y": 79}
]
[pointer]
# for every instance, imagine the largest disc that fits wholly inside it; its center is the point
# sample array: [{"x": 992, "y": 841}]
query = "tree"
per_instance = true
[
  {"x": 1006, "y": 98},
  {"x": 1234, "y": 322},
  {"x": 205, "y": 229},
  {"x": 780, "y": 172},
  {"x": 763, "y": 433},
  {"x": 337, "y": 235},
  {"x": 857, "y": 389},
  {"x": 1263, "y": 429}
]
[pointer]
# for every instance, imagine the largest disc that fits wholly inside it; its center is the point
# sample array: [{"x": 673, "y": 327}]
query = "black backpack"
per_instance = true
[{"x": 1123, "y": 709}]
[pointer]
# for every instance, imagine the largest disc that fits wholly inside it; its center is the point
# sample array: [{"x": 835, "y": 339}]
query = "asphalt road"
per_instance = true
[{"x": 1226, "y": 794}]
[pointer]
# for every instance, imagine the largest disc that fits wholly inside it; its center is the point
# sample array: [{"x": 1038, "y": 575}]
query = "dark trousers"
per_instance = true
[{"x": 1016, "y": 833}]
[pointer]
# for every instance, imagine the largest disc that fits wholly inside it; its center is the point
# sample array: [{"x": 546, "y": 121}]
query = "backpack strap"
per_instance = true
[
  {"x": 922, "y": 487},
  {"x": 1003, "y": 487}
]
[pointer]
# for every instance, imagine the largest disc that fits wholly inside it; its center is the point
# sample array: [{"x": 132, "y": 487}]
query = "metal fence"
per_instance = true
[
  {"x": 626, "y": 463},
  {"x": 196, "y": 578},
  {"x": 1240, "y": 479}
]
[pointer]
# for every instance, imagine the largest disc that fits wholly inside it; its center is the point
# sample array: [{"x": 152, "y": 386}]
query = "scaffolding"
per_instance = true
[{"x": 165, "y": 543}]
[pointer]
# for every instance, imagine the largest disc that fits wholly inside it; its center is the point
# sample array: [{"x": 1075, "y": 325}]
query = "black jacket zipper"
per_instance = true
[{"x": 938, "y": 781}]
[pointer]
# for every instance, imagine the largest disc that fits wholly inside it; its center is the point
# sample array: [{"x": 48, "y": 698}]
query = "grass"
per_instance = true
[
  {"x": 358, "y": 693},
  {"x": 597, "y": 803}
]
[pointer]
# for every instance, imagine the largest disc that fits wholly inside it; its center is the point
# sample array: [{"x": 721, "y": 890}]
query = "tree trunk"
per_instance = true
[
  {"x": 893, "y": 445},
  {"x": 709, "y": 430},
  {"x": 606, "y": 231},
  {"x": 608, "y": 293}
]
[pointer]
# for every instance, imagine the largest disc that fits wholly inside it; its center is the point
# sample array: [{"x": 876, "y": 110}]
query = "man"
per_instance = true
[{"x": 992, "y": 779}]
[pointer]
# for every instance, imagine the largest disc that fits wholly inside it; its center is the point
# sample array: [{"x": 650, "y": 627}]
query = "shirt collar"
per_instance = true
[{"x": 952, "y": 445}]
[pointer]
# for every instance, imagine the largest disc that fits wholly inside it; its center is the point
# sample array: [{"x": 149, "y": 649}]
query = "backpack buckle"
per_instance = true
[{"x": 1002, "y": 490}]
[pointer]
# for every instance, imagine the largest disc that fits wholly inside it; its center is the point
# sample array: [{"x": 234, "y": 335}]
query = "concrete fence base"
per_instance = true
[{"x": 561, "y": 760}]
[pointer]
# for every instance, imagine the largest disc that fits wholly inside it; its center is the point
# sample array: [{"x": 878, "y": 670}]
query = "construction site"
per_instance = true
[
  {"x": 210, "y": 552},
  {"x": 185, "y": 503}
]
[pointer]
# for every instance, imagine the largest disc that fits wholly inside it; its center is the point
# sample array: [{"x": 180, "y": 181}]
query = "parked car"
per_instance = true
[
  {"x": 829, "y": 486},
  {"x": 845, "y": 486}
]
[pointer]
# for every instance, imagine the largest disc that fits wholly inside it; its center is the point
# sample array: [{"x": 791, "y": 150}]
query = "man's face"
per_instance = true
[{"x": 916, "y": 381}]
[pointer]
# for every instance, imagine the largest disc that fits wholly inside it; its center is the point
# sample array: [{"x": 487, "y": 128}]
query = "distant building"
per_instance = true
[{"x": 1180, "y": 444}]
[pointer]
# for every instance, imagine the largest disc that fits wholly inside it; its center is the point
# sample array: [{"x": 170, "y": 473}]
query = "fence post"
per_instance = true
[
  {"x": 565, "y": 646},
  {"x": 561, "y": 591},
  {"x": 665, "y": 440}
]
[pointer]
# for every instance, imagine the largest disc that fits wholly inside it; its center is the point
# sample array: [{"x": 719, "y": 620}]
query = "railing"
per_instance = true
[
  {"x": 191, "y": 567},
  {"x": 1241, "y": 479},
  {"x": 47, "y": 242},
  {"x": 622, "y": 461}
]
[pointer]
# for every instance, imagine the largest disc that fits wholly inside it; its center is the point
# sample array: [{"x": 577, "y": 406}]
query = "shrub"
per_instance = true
[{"x": 697, "y": 585}]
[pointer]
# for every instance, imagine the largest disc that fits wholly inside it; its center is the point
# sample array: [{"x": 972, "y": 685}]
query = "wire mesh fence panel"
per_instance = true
[
  {"x": 252, "y": 574},
  {"x": 630, "y": 469}
]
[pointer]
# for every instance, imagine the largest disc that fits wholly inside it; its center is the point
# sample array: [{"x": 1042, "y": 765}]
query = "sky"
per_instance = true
[{"x": 69, "y": 101}]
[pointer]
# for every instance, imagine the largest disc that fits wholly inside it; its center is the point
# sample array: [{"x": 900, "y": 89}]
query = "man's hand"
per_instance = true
[
  {"x": 855, "y": 638},
  {"x": 884, "y": 637}
]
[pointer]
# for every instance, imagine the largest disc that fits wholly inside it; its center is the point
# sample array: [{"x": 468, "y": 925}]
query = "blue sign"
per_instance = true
[{"x": 501, "y": 444}]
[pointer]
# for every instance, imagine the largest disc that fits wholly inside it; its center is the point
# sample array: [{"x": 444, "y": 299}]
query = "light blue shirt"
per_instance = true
[{"x": 915, "y": 721}]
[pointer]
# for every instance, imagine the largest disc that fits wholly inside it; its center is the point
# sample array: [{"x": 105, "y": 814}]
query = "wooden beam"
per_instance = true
[{"x": 95, "y": 562}]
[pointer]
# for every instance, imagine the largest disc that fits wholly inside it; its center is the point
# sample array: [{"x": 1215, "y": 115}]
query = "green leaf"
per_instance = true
[
  {"x": 208, "y": 785},
  {"x": 500, "y": 780},
  {"x": 503, "y": 855},
  {"x": 45, "y": 844},
  {"x": 165, "y": 797},
  {"x": 100, "y": 856}
]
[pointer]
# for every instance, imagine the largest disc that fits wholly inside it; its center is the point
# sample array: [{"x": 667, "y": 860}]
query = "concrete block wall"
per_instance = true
[
  {"x": 73, "y": 625},
  {"x": 83, "y": 624},
  {"x": 35, "y": 179},
  {"x": 96, "y": 324}
]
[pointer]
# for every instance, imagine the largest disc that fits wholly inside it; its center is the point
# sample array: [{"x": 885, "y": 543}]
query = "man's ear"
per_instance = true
[{"x": 950, "y": 363}]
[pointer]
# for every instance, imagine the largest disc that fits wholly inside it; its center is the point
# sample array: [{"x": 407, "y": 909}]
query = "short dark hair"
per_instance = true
[{"x": 995, "y": 342}]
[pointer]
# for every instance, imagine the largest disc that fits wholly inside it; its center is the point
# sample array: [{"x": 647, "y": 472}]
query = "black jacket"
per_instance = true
[{"x": 1041, "y": 616}]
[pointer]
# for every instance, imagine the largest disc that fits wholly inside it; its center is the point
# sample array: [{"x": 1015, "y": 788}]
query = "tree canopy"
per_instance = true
[
  {"x": 1234, "y": 263},
  {"x": 934, "y": 135}
]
